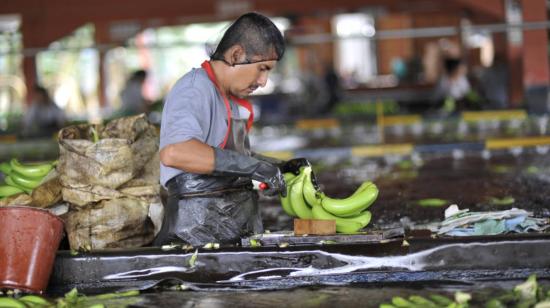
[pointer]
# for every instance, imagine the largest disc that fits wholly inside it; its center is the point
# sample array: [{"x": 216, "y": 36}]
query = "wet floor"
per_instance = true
[{"x": 358, "y": 296}]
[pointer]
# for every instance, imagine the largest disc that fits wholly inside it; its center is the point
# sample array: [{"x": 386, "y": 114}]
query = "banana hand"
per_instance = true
[
  {"x": 356, "y": 203},
  {"x": 5, "y": 168},
  {"x": 311, "y": 195},
  {"x": 8, "y": 190},
  {"x": 29, "y": 183},
  {"x": 344, "y": 225},
  {"x": 30, "y": 170},
  {"x": 296, "y": 197},
  {"x": 11, "y": 182},
  {"x": 285, "y": 201}
]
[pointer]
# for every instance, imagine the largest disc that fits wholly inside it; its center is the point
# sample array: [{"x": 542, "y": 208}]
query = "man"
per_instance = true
[
  {"x": 131, "y": 96},
  {"x": 206, "y": 164}
]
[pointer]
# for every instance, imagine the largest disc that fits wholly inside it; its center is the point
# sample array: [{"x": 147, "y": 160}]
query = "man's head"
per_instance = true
[{"x": 250, "y": 48}]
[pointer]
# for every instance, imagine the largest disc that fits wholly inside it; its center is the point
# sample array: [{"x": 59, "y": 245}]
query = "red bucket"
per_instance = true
[{"x": 29, "y": 239}]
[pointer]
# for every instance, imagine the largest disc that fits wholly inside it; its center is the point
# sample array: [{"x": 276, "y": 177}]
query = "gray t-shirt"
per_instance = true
[{"x": 193, "y": 109}]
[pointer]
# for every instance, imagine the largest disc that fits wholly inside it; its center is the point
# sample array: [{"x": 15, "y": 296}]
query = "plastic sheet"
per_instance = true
[{"x": 218, "y": 218}]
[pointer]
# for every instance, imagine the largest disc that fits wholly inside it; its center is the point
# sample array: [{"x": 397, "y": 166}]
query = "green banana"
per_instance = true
[
  {"x": 355, "y": 203},
  {"x": 343, "y": 225},
  {"x": 399, "y": 301},
  {"x": 23, "y": 181},
  {"x": 312, "y": 196},
  {"x": 296, "y": 197},
  {"x": 285, "y": 201},
  {"x": 11, "y": 182},
  {"x": 440, "y": 299},
  {"x": 5, "y": 168},
  {"x": 10, "y": 302},
  {"x": 361, "y": 188},
  {"x": 34, "y": 301},
  {"x": 30, "y": 170},
  {"x": 8, "y": 190},
  {"x": 422, "y": 302}
]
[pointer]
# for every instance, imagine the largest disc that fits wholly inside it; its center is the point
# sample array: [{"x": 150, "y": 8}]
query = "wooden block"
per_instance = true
[{"x": 314, "y": 226}]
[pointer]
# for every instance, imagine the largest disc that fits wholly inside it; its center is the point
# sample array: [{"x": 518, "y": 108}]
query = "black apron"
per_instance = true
[{"x": 204, "y": 209}]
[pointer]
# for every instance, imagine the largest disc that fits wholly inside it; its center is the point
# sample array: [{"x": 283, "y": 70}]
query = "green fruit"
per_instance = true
[
  {"x": 11, "y": 182},
  {"x": 398, "y": 301},
  {"x": 8, "y": 190},
  {"x": 355, "y": 203},
  {"x": 23, "y": 181},
  {"x": 440, "y": 299},
  {"x": 34, "y": 300},
  {"x": 285, "y": 201},
  {"x": 8, "y": 302},
  {"x": 31, "y": 170},
  {"x": 5, "y": 168},
  {"x": 344, "y": 225},
  {"x": 311, "y": 195},
  {"x": 361, "y": 188},
  {"x": 421, "y": 301},
  {"x": 296, "y": 197}
]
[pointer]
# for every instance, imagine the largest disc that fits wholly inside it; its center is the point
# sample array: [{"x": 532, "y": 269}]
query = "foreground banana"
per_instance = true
[
  {"x": 355, "y": 203},
  {"x": 305, "y": 201},
  {"x": 296, "y": 197},
  {"x": 5, "y": 168},
  {"x": 31, "y": 170},
  {"x": 8, "y": 190},
  {"x": 9, "y": 181},
  {"x": 23, "y": 181},
  {"x": 312, "y": 196},
  {"x": 344, "y": 225},
  {"x": 285, "y": 201}
]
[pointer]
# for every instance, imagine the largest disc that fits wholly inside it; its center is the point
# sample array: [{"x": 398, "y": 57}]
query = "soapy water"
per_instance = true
[
  {"x": 454, "y": 256},
  {"x": 417, "y": 261}
]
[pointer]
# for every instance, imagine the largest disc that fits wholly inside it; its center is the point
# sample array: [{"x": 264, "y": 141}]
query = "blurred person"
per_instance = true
[
  {"x": 131, "y": 96},
  {"x": 206, "y": 162},
  {"x": 43, "y": 117},
  {"x": 333, "y": 84},
  {"x": 493, "y": 83},
  {"x": 453, "y": 86}
]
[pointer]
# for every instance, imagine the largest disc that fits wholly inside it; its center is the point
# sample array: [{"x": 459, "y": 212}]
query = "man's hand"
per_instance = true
[
  {"x": 272, "y": 176},
  {"x": 232, "y": 163}
]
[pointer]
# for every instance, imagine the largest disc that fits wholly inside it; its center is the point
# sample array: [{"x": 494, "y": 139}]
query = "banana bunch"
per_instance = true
[
  {"x": 22, "y": 178},
  {"x": 303, "y": 200}
]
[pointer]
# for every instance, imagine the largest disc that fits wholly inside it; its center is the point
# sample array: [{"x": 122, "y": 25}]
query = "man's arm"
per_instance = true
[{"x": 190, "y": 156}]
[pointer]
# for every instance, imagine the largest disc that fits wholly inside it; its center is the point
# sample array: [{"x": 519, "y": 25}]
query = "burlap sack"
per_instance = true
[
  {"x": 117, "y": 223},
  {"x": 124, "y": 147},
  {"x": 110, "y": 183}
]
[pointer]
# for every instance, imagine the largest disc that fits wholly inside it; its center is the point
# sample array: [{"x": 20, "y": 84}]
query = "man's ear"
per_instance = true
[{"x": 236, "y": 54}]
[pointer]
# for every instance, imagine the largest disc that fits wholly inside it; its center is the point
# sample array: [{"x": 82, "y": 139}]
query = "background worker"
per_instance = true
[
  {"x": 43, "y": 118},
  {"x": 206, "y": 163}
]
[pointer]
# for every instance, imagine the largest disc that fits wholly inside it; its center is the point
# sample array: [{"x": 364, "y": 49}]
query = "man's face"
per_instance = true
[{"x": 246, "y": 78}]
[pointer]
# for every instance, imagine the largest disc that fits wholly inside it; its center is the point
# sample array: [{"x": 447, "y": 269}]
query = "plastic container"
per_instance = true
[{"x": 29, "y": 239}]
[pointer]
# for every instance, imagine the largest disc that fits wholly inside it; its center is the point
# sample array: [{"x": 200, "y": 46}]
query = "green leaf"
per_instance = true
[
  {"x": 193, "y": 258},
  {"x": 527, "y": 291}
]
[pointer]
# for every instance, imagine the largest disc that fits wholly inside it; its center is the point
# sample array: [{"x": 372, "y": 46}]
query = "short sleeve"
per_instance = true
[{"x": 184, "y": 117}]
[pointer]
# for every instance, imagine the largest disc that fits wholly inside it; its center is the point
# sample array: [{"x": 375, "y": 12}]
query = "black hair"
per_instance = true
[
  {"x": 257, "y": 35},
  {"x": 139, "y": 75},
  {"x": 451, "y": 65}
]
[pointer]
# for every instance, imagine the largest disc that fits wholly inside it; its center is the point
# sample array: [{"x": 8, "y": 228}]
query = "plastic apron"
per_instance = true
[{"x": 203, "y": 208}]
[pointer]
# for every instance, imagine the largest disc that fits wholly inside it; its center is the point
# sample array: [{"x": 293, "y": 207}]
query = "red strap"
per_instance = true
[{"x": 246, "y": 104}]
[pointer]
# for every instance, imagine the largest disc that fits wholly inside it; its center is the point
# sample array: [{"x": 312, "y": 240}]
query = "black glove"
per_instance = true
[
  {"x": 232, "y": 163},
  {"x": 294, "y": 165}
]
